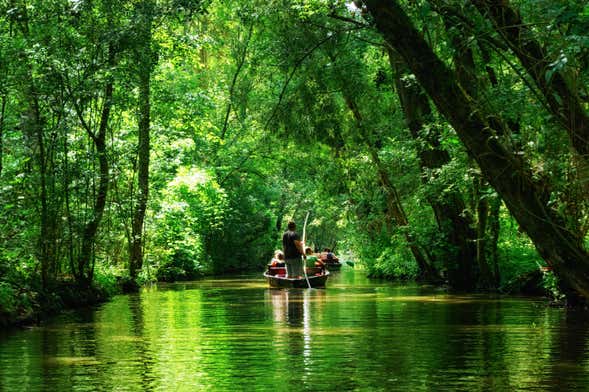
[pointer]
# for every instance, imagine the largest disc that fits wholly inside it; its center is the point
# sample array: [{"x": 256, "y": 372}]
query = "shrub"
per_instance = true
[{"x": 8, "y": 301}]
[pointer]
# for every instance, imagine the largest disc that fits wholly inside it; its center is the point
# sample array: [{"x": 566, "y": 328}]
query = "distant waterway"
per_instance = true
[{"x": 236, "y": 334}]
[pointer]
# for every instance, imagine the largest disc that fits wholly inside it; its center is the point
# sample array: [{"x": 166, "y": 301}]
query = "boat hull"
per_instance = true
[
  {"x": 282, "y": 282},
  {"x": 333, "y": 266}
]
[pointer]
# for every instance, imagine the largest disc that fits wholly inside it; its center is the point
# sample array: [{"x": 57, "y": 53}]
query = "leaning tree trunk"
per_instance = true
[
  {"x": 526, "y": 198},
  {"x": 426, "y": 268},
  {"x": 453, "y": 223},
  {"x": 145, "y": 66},
  {"x": 467, "y": 76},
  {"x": 556, "y": 86},
  {"x": 395, "y": 209},
  {"x": 561, "y": 100}
]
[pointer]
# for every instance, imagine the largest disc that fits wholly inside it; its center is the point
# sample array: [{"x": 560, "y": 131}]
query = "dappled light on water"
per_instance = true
[{"x": 235, "y": 333}]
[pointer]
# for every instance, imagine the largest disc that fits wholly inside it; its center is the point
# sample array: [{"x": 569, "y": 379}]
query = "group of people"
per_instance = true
[{"x": 292, "y": 252}]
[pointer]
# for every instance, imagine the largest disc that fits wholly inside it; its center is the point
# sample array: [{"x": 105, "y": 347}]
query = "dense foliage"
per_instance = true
[{"x": 167, "y": 139}]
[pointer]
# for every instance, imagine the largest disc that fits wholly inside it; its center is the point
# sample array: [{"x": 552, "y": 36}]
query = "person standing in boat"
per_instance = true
[{"x": 292, "y": 246}]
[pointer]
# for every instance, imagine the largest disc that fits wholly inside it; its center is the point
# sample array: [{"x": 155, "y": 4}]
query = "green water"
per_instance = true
[{"x": 237, "y": 334}]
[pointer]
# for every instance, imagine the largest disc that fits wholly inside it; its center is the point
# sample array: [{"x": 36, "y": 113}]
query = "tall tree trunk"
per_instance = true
[
  {"x": 449, "y": 210},
  {"x": 47, "y": 230},
  {"x": 2, "y": 114},
  {"x": 34, "y": 125},
  {"x": 45, "y": 239},
  {"x": 493, "y": 238},
  {"x": 85, "y": 264},
  {"x": 68, "y": 211},
  {"x": 509, "y": 174},
  {"x": 482, "y": 207},
  {"x": 145, "y": 66}
]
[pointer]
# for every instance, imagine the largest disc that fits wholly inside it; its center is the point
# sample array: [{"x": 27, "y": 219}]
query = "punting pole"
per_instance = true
[{"x": 303, "y": 257}]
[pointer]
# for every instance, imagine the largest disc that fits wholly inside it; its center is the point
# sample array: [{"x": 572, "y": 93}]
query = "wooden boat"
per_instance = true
[
  {"x": 330, "y": 261},
  {"x": 276, "y": 278}
]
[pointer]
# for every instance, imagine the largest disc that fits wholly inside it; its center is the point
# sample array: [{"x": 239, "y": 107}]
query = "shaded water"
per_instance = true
[{"x": 237, "y": 334}]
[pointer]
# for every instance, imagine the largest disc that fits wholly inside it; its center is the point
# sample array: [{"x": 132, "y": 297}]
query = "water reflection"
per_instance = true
[
  {"x": 568, "y": 368},
  {"x": 236, "y": 334},
  {"x": 289, "y": 306},
  {"x": 139, "y": 344}
]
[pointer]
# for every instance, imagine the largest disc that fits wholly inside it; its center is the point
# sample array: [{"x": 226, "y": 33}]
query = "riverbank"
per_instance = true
[
  {"x": 25, "y": 302},
  {"x": 25, "y": 305}
]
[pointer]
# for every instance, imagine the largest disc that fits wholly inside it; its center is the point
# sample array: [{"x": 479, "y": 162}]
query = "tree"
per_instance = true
[
  {"x": 526, "y": 197},
  {"x": 145, "y": 63}
]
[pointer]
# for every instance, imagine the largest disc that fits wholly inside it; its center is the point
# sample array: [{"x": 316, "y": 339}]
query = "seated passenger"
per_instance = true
[
  {"x": 328, "y": 256},
  {"x": 312, "y": 261},
  {"x": 278, "y": 259}
]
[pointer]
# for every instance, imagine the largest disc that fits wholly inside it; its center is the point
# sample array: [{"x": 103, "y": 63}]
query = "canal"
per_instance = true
[{"x": 228, "y": 334}]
